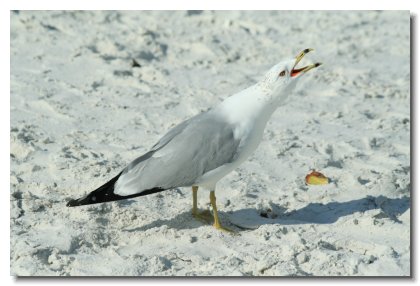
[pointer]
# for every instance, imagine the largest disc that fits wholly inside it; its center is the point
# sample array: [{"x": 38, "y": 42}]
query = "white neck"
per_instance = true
[{"x": 254, "y": 104}]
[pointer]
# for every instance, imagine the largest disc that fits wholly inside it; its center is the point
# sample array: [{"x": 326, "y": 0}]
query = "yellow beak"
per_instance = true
[{"x": 299, "y": 57}]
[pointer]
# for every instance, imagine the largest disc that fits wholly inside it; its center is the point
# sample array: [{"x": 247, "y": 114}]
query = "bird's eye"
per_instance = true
[{"x": 283, "y": 73}]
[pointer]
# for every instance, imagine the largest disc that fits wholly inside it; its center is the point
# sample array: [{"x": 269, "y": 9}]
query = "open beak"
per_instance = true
[{"x": 297, "y": 71}]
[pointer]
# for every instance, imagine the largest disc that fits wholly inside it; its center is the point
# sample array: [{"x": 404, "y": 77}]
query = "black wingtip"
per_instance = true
[
  {"x": 105, "y": 193},
  {"x": 73, "y": 203},
  {"x": 100, "y": 195}
]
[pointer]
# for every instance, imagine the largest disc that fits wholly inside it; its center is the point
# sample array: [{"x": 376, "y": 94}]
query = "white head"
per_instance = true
[{"x": 281, "y": 79}]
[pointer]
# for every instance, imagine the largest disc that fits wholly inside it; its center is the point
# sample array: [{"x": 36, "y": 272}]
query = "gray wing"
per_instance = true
[
  {"x": 161, "y": 143},
  {"x": 172, "y": 133},
  {"x": 189, "y": 150}
]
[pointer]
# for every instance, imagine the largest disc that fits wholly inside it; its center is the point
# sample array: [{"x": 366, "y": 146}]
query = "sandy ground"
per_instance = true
[{"x": 80, "y": 112}]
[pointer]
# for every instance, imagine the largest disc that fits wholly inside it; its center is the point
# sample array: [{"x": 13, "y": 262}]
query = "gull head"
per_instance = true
[{"x": 282, "y": 78}]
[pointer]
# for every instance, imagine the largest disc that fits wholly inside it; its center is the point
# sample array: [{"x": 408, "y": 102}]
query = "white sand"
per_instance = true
[{"x": 80, "y": 113}]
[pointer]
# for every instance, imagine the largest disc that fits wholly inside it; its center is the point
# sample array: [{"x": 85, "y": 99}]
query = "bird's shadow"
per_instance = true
[
  {"x": 316, "y": 213},
  {"x": 313, "y": 213},
  {"x": 184, "y": 220}
]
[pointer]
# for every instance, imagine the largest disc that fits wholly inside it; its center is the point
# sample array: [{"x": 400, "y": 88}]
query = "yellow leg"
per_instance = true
[
  {"x": 204, "y": 216},
  {"x": 195, "y": 209},
  {"x": 217, "y": 224}
]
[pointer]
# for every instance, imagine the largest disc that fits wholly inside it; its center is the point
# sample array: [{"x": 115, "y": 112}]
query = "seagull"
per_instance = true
[{"x": 203, "y": 149}]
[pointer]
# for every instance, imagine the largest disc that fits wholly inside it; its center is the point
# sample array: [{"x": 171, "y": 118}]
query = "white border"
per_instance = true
[
  {"x": 214, "y": 4},
  {"x": 6, "y": 279}
]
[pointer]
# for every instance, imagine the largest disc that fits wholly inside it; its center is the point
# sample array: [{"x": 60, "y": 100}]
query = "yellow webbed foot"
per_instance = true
[
  {"x": 206, "y": 216},
  {"x": 203, "y": 216},
  {"x": 217, "y": 225},
  {"x": 220, "y": 227}
]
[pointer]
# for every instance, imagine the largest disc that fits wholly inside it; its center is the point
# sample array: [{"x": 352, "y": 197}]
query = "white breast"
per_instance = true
[{"x": 249, "y": 112}]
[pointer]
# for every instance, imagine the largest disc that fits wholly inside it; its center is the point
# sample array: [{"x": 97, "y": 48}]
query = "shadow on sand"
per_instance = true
[{"x": 313, "y": 213}]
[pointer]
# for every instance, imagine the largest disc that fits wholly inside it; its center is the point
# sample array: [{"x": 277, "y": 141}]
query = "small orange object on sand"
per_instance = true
[{"x": 316, "y": 178}]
